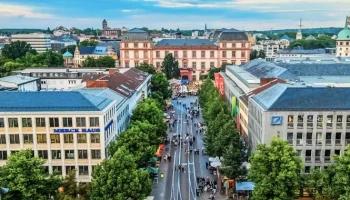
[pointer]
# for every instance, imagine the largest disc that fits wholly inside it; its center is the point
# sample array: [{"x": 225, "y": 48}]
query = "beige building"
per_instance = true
[
  {"x": 197, "y": 55},
  {"x": 343, "y": 42},
  {"x": 82, "y": 53},
  {"x": 69, "y": 130}
]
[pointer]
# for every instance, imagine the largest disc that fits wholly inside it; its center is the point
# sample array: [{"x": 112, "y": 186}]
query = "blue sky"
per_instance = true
[{"x": 241, "y": 14}]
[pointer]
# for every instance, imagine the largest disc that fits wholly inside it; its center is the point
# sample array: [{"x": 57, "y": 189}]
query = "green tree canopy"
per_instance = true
[
  {"x": 72, "y": 190},
  {"x": 88, "y": 43},
  {"x": 119, "y": 179},
  {"x": 149, "y": 68},
  {"x": 24, "y": 175},
  {"x": 320, "y": 42},
  {"x": 160, "y": 84},
  {"x": 16, "y": 50},
  {"x": 170, "y": 67},
  {"x": 70, "y": 49},
  {"x": 275, "y": 170},
  {"x": 101, "y": 62}
]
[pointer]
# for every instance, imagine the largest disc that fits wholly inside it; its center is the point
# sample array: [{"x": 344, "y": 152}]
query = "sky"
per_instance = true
[{"x": 183, "y": 14}]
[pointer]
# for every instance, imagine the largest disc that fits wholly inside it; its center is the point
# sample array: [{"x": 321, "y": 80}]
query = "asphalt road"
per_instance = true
[{"x": 181, "y": 184}]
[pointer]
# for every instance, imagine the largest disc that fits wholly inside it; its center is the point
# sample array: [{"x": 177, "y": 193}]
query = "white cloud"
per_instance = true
[{"x": 13, "y": 10}]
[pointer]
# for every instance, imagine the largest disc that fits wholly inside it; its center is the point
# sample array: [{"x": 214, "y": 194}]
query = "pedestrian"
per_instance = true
[{"x": 206, "y": 165}]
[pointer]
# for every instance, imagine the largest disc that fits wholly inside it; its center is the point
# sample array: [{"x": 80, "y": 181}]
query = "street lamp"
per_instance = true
[{"x": 3, "y": 191}]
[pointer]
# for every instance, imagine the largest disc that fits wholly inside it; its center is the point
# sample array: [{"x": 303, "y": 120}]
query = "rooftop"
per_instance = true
[
  {"x": 51, "y": 101},
  {"x": 18, "y": 79},
  {"x": 302, "y": 51},
  {"x": 184, "y": 42},
  {"x": 284, "y": 97}
]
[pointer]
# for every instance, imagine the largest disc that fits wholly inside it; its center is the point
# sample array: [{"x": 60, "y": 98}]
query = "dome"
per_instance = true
[
  {"x": 344, "y": 34},
  {"x": 67, "y": 54}
]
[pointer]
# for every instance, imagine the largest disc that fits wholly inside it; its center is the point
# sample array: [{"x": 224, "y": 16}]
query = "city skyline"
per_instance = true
[{"x": 184, "y": 14}]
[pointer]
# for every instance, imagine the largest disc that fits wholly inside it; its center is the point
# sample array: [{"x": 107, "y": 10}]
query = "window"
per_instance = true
[
  {"x": 233, "y": 54},
  {"x": 96, "y": 154},
  {"x": 2, "y": 123},
  {"x": 329, "y": 121},
  {"x": 202, "y": 66},
  {"x": 310, "y": 119},
  {"x": 145, "y": 54},
  {"x": 81, "y": 121},
  {"x": 70, "y": 169},
  {"x": 290, "y": 138},
  {"x": 194, "y": 54},
  {"x": 194, "y": 65},
  {"x": 57, "y": 170},
  {"x": 145, "y": 45},
  {"x": 127, "y": 64},
  {"x": 203, "y": 54},
  {"x": 224, "y": 54},
  {"x": 81, "y": 138},
  {"x": 338, "y": 138},
  {"x": 41, "y": 138},
  {"x": 82, "y": 154},
  {"x": 95, "y": 138},
  {"x": 224, "y": 45},
  {"x": 3, "y": 155},
  {"x": 2, "y": 139},
  {"x": 212, "y": 64},
  {"x": 157, "y": 65},
  {"x": 136, "y": 44},
  {"x": 299, "y": 138},
  {"x": 14, "y": 138},
  {"x": 55, "y": 138},
  {"x": 319, "y": 121},
  {"x": 184, "y": 54},
  {"x": 94, "y": 122},
  {"x": 13, "y": 122},
  {"x": 83, "y": 170},
  {"x": 67, "y": 122},
  {"x": 42, "y": 154},
  {"x": 308, "y": 156},
  {"x": 136, "y": 54},
  {"x": 69, "y": 154},
  {"x": 319, "y": 138},
  {"x": 337, "y": 152},
  {"x": 339, "y": 121},
  {"x": 176, "y": 54},
  {"x": 307, "y": 169},
  {"x": 68, "y": 138},
  {"x": 26, "y": 122},
  {"x": 327, "y": 155},
  {"x": 28, "y": 138},
  {"x": 54, "y": 122},
  {"x": 242, "y": 54},
  {"x": 40, "y": 122},
  {"x": 211, "y": 54},
  {"x": 56, "y": 154},
  {"x": 318, "y": 156},
  {"x": 290, "y": 121},
  {"x": 308, "y": 138},
  {"x": 157, "y": 54},
  {"x": 300, "y": 123},
  {"x": 328, "y": 138},
  {"x": 347, "y": 138}
]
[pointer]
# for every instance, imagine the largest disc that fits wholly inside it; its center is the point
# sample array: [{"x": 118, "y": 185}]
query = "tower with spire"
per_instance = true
[
  {"x": 104, "y": 24},
  {"x": 299, "y": 35}
]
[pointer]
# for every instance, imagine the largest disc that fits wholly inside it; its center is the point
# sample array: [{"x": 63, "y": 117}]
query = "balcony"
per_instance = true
[{"x": 307, "y": 159}]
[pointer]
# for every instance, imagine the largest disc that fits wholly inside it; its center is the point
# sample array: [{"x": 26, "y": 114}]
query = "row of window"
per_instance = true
[
  {"x": 318, "y": 138},
  {"x": 341, "y": 43},
  {"x": 136, "y": 45},
  {"x": 318, "y": 156},
  {"x": 53, "y": 122},
  {"x": 57, "y": 154},
  {"x": 309, "y": 119},
  {"x": 83, "y": 170},
  {"x": 54, "y": 138},
  {"x": 224, "y": 45}
]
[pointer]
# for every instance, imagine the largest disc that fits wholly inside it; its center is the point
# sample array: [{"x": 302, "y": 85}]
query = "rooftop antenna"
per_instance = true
[{"x": 300, "y": 25}]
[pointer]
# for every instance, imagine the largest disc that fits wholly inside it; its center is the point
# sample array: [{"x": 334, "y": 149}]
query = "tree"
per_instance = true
[
  {"x": 275, "y": 169},
  {"x": 24, "y": 175},
  {"x": 89, "y": 62},
  {"x": 234, "y": 156},
  {"x": 119, "y": 179},
  {"x": 149, "y": 68},
  {"x": 160, "y": 84},
  {"x": 71, "y": 190},
  {"x": 16, "y": 50},
  {"x": 257, "y": 54},
  {"x": 212, "y": 71},
  {"x": 70, "y": 49},
  {"x": 88, "y": 43},
  {"x": 170, "y": 67},
  {"x": 105, "y": 62},
  {"x": 320, "y": 184}
]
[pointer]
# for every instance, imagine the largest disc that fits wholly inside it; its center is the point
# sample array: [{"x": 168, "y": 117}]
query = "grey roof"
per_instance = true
[
  {"x": 302, "y": 51},
  {"x": 184, "y": 42},
  {"x": 136, "y": 34},
  {"x": 86, "y": 50},
  {"x": 51, "y": 101},
  {"x": 315, "y": 69},
  {"x": 231, "y": 35},
  {"x": 263, "y": 69},
  {"x": 283, "y": 97},
  {"x": 18, "y": 79},
  {"x": 105, "y": 92}
]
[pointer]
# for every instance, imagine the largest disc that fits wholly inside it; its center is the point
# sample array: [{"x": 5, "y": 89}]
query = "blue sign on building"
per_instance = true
[
  {"x": 76, "y": 130},
  {"x": 276, "y": 120}
]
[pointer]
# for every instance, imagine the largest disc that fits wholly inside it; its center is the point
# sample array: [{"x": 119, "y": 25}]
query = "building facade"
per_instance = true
[
  {"x": 194, "y": 55},
  {"x": 343, "y": 42},
  {"x": 68, "y": 135},
  {"x": 20, "y": 83},
  {"x": 39, "y": 41},
  {"x": 82, "y": 53},
  {"x": 315, "y": 121}
]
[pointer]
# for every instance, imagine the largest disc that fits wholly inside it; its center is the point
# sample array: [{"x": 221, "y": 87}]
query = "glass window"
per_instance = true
[
  {"x": 82, "y": 154},
  {"x": 56, "y": 154},
  {"x": 68, "y": 138},
  {"x": 299, "y": 138},
  {"x": 83, "y": 170},
  {"x": 70, "y": 169},
  {"x": 69, "y": 154},
  {"x": 40, "y": 122},
  {"x": 184, "y": 54},
  {"x": 26, "y": 122},
  {"x": 224, "y": 54},
  {"x": 157, "y": 54},
  {"x": 81, "y": 138},
  {"x": 194, "y": 54},
  {"x": 211, "y": 54},
  {"x": 3, "y": 155},
  {"x": 290, "y": 138},
  {"x": 2, "y": 123},
  {"x": 54, "y": 122},
  {"x": 203, "y": 54},
  {"x": 55, "y": 138},
  {"x": 319, "y": 138},
  {"x": 96, "y": 154},
  {"x": 2, "y": 139},
  {"x": 81, "y": 121},
  {"x": 319, "y": 121},
  {"x": 290, "y": 121},
  {"x": 94, "y": 122},
  {"x": 338, "y": 138},
  {"x": 57, "y": 170},
  {"x": 307, "y": 169},
  {"x": 309, "y": 138},
  {"x": 42, "y": 154},
  {"x": 28, "y": 138},
  {"x": 95, "y": 138},
  {"x": 14, "y": 138},
  {"x": 13, "y": 122},
  {"x": 67, "y": 122},
  {"x": 339, "y": 118},
  {"x": 41, "y": 138}
]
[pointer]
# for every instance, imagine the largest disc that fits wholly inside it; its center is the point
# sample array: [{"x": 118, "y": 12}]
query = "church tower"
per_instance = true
[
  {"x": 299, "y": 35},
  {"x": 104, "y": 24}
]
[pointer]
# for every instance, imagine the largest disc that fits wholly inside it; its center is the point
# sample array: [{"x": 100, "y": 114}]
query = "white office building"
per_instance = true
[{"x": 39, "y": 41}]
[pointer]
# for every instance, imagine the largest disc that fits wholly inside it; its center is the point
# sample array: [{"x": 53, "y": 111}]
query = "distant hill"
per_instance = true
[
  {"x": 6, "y": 31},
  {"x": 309, "y": 31}
]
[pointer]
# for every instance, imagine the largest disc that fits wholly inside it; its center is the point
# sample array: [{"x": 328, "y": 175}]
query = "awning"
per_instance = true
[
  {"x": 160, "y": 150},
  {"x": 153, "y": 170},
  {"x": 245, "y": 186}
]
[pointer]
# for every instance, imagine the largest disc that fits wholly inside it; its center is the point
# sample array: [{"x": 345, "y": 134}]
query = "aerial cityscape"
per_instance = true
[{"x": 175, "y": 100}]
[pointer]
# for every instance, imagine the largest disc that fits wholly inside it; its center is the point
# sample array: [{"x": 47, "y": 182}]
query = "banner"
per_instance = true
[{"x": 234, "y": 106}]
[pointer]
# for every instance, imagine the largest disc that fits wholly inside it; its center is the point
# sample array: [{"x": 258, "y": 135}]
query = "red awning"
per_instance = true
[{"x": 160, "y": 150}]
